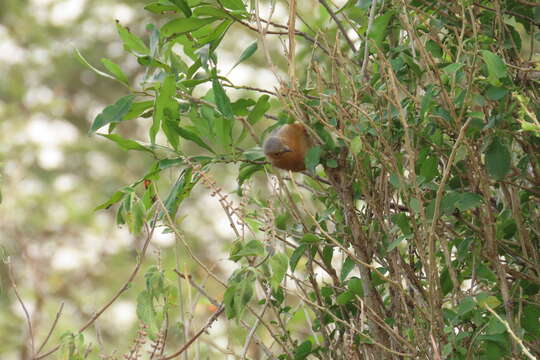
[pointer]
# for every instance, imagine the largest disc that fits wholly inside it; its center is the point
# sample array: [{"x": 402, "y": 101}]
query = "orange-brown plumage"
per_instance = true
[{"x": 287, "y": 146}]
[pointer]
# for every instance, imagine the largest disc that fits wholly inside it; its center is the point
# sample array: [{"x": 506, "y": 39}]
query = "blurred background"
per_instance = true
[{"x": 53, "y": 175}]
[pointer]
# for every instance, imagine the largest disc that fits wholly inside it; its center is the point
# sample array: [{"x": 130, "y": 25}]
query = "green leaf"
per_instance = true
[
  {"x": 429, "y": 169},
  {"x": 469, "y": 201},
  {"x": 246, "y": 54},
  {"x": 498, "y": 159},
  {"x": 206, "y": 10},
  {"x": 192, "y": 136},
  {"x": 85, "y": 62},
  {"x": 303, "y": 350},
  {"x": 296, "y": 255},
  {"x": 137, "y": 108},
  {"x": 113, "y": 113},
  {"x": 115, "y": 70},
  {"x": 126, "y": 144},
  {"x": 327, "y": 255},
  {"x": 136, "y": 220},
  {"x": 379, "y": 28},
  {"x": 496, "y": 93},
  {"x": 530, "y": 319},
  {"x": 184, "y": 25},
  {"x": 166, "y": 110},
  {"x": 222, "y": 101},
  {"x": 234, "y": 4},
  {"x": 496, "y": 67},
  {"x": 309, "y": 239},
  {"x": 484, "y": 299},
  {"x": 246, "y": 172},
  {"x": 355, "y": 286},
  {"x": 116, "y": 197},
  {"x": 228, "y": 301},
  {"x": 356, "y": 145},
  {"x": 344, "y": 298},
  {"x": 146, "y": 312},
  {"x": 313, "y": 158},
  {"x": 252, "y": 248},
  {"x": 132, "y": 43},
  {"x": 244, "y": 293},
  {"x": 158, "y": 8},
  {"x": 179, "y": 192},
  {"x": 279, "y": 264},
  {"x": 465, "y": 306},
  {"x": 452, "y": 69},
  {"x": 395, "y": 243},
  {"x": 495, "y": 326},
  {"x": 346, "y": 269},
  {"x": 434, "y": 49},
  {"x": 182, "y": 5},
  {"x": 402, "y": 221},
  {"x": 260, "y": 108}
]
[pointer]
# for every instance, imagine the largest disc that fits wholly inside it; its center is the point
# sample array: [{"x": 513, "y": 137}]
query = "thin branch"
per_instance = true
[
  {"x": 339, "y": 24},
  {"x": 208, "y": 324},
  {"x": 512, "y": 334},
  {"x": 126, "y": 286},
  {"x": 509, "y": 12},
  {"x": 255, "y": 326},
  {"x": 58, "y": 314},
  {"x": 366, "y": 46},
  {"x": 217, "y": 304},
  {"x": 26, "y": 313}
]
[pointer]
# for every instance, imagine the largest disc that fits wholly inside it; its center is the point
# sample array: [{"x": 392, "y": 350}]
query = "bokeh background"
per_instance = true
[{"x": 53, "y": 175}]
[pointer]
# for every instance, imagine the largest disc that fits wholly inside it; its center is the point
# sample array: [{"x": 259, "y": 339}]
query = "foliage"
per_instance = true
[{"x": 415, "y": 231}]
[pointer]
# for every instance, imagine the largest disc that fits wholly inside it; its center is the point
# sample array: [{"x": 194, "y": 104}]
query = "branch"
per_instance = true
[
  {"x": 339, "y": 24},
  {"x": 510, "y": 13},
  {"x": 26, "y": 314},
  {"x": 209, "y": 323},
  {"x": 58, "y": 314},
  {"x": 118, "y": 293}
]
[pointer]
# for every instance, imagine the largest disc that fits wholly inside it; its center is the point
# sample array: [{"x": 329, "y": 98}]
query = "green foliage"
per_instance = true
[{"x": 414, "y": 226}]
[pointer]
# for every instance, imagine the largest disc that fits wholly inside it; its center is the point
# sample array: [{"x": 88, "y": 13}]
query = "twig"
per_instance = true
[
  {"x": 255, "y": 326},
  {"x": 366, "y": 46},
  {"x": 58, "y": 314},
  {"x": 339, "y": 24},
  {"x": 217, "y": 304},
  {"x": 208, "y": 324},
  {"x": 528, "y": 3},
  {"x": 510, "y": 13},
  {"x": 150, "y": 232},
  {"x": 26, "y": 313},
  {"x": 512, "y": 334}
]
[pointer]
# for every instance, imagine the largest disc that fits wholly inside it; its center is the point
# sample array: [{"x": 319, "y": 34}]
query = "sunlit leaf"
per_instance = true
[
  {"x": 313, "y": 157},
  {"x": 115, "y": 70},
  {"x": 222, "y": 100},
  {"x": 279, "y": 264},
  {"x": 131, "y": 41},
  {"x": 126, "y": 144},
  {"x": 495, "y": 65},
  {"x": 182, "y": 5},
  {"x": 379, "y": 28},
  {"x": 184, "y": 25},
  {"x": 246, "y": 54},
  {"x": 260, "y": 108},
  {"x": 113, "y": 113}
]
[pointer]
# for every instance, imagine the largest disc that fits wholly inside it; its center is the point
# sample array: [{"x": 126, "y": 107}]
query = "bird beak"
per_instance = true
[{"x": 286, "y": 149}]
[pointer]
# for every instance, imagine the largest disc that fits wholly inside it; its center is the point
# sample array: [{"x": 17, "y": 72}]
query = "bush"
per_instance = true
[{"x": 414, "y": 231}]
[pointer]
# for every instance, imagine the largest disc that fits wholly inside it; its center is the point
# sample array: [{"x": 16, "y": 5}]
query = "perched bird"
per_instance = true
[{"x": 287, "y": 146}]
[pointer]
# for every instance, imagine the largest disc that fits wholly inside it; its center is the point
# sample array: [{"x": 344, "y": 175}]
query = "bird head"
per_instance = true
[{"x": 275, "y": 147}]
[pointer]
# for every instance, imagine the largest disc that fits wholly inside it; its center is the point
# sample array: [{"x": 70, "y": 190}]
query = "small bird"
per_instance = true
[{"x": 287, "y": 146}]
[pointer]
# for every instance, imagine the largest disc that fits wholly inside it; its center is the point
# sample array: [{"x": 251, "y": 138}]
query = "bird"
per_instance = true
[{"x": 286, "y": 147}]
